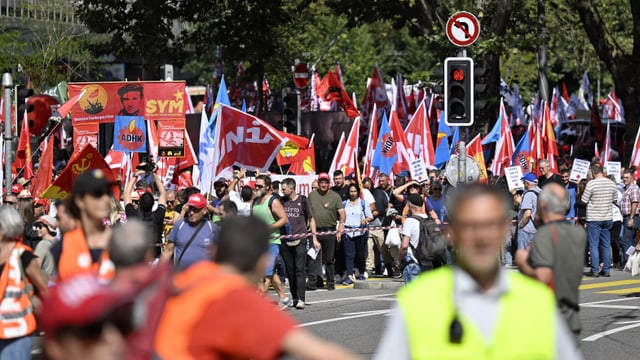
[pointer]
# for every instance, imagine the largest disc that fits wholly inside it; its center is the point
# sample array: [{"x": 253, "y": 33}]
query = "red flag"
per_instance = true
[
  {"x": 596, "y": 152},
  {"x": 607, "y": 153},
  {"x": 635, "y": 155},
  {"x": 504, "y": 146},
  {"x": 376, "y": 94},
  {"x": 65, "y": 109},
  {"x": 23, "y": 155},
  {"x": 307, "y": 163},
  {"x": 337, "y": 155},
  {"x": 537, "y": 146},
  {"x": 189, "y": 158},
  {"x": 330, "y": 91},
  {"x": 401, "y": 145},
  {"x": 42, "y": 179},
  {"x": 153, "y": 136},
  {"x": 291, "y": 151},
  {"x": 347, "y": 159},
  {"x": 474, "y": 149},
  {"x": 565, "y": 93},
  {"x": 418, "y": 134},
  {"x": 549, "y": 138},
  {"x": 400, "y": 101},
  {"x": 87, "y": 159},
  {"x": 244, "y": 140},
  {"x": 596, "y": 122},
  {"x": 369, "y": 170}
]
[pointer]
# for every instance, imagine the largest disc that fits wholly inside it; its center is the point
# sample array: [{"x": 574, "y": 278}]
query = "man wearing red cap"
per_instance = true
[{"x": 192, "y": 236}]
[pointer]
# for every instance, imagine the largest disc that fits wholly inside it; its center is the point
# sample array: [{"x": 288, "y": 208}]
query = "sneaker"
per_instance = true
[
  {"x": 285, "y": 303},
  {"x": 362, "y": 278},
  {"x": 591, "y": 274},
  {"x": 300, "y": 305},
  {"x": 348, "y": 281},
  {"x": 605, "y": 274}
]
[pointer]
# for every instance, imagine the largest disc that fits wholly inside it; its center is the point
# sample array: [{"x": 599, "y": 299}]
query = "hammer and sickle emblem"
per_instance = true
[{"x": 82, "y": 166}]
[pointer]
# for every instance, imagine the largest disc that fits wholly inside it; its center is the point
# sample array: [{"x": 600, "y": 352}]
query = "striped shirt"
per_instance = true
[{"x": 599, "y": 194}]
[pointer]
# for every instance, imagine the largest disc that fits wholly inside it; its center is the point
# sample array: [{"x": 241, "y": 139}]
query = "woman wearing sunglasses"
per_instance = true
[{"x": 83, "y": 250}]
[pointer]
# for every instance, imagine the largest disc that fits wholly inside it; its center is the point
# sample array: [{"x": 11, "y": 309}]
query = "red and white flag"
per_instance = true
[
  {"x": 549, "y": 138},
  {"x": 243, "y": 140},
  {"x": 635, "y": 155},
  {"x": 537, "y": 146},
  {"x": 376, "y": 94},
  {"x": 65, "y": 109},
  {"x": 418, "y": 134},
  {"x": 401, "y": 144},
  {"x": 504, "y": 146},
  {"x": 337, "y": 155},
  {"x": 152, "y": 134},
  {"x": 347, "y": 159},
  {"x": 606, "y": 148}
]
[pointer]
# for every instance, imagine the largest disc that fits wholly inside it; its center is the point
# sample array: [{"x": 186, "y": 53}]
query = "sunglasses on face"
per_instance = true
[
  {"x": 98, "y": 193},
  {"x": 135, "y": 202},
  {"x": 9, "y": 203},
  {"x": 171, "y": 201},
  {"x": 259, "y": 186}
]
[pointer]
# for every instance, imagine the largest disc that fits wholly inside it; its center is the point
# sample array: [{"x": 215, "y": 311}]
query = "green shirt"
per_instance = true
[
  {"x": 325, "y": 208},
  {"x": 263, "y": 212}
]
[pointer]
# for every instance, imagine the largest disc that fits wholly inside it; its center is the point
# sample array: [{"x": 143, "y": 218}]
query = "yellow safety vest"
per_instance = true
[{"x": 525, "y": 328}]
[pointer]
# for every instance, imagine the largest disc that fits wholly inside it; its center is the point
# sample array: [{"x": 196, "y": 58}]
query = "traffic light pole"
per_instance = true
[
  {"x": 298, "y": 112},
  {"x": 7, "y": 83},
  {"x": 462, "y": 146}
]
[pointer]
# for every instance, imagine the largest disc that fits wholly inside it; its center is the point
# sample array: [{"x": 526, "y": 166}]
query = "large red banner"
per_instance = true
[{"x": 102, "y": 102}]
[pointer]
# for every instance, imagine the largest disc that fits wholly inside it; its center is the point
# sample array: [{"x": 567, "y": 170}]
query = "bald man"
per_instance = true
[{"x": 552, "y": 257}]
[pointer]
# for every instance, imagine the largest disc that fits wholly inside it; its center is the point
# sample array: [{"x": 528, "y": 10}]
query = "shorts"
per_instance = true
[{"x": 274, "y": 251}]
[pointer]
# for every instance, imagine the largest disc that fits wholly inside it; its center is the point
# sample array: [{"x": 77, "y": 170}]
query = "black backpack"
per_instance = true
[{"x": 431, "y": 250}]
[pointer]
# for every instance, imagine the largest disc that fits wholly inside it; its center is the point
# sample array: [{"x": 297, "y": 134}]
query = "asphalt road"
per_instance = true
[{"x": 610, "y": 313}]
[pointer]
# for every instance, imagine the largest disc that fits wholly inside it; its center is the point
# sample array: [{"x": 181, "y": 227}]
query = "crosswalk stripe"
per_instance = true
[
  {"x": 620, "y": 291},
  {"x": 608, "y": 284}
]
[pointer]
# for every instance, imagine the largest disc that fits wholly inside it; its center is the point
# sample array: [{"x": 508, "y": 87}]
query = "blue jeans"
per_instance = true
[
  {"x": 16, "y": 349},
  {"x": 524, "y": 239},
  {"x": 410, "y": 272},
  {"x": 628, "y": 236},
  {"x": 599, "y": 235},
  {"x": 355, "y": 252}
]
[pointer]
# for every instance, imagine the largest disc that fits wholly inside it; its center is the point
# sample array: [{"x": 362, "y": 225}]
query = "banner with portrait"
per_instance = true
[
  {"x": 101, "y": 102},
  {"x": 171, "y": 138}
]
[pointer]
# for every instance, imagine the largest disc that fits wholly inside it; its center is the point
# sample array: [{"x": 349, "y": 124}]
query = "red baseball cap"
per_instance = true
[
  {"x": 40, "y": 202},
  {"x": 81, "y": 300},
  {"x": 324, "y": 176},
  {"x": 16, "y": 189},
  {"x": 197, "y": 201}
]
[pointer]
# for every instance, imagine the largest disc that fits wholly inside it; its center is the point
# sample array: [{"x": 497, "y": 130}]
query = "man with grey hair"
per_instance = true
[
  {"x": 546, "y": 175},
  {"x": 131, "y": 244},
  {"x": 552, "y": 258}
]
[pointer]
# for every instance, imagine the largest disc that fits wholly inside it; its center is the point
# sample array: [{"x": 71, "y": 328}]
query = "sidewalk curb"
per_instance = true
[{"x": 378, "y": 285}]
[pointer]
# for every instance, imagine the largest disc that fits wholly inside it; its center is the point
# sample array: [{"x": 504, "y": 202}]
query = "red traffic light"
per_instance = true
[{"x": 458, "y": 75}]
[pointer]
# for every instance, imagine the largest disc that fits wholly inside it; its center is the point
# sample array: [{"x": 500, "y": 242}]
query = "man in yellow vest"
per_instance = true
[{"x": 476, "y": 309}]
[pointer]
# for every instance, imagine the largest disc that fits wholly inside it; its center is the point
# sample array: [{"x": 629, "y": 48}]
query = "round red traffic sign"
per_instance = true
[
  {"x": 463, "y": 28},
  {"x": 301, "y": 75}
]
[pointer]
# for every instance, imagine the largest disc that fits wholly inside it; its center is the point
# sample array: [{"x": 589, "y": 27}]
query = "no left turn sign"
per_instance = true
[{"x": 463, "y": 29}]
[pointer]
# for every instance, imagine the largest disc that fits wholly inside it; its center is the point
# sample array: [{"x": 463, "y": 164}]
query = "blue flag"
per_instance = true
[
  {"x": 494, "y": 134},
  {"x": 130, "y": 134},
  {"x": 454, "y": 140},
  {"x": 522, "y": 153},
  {"x": 244, "y": 106},
  {"x": 223, "y": 95},
  {"x": 385, "y": 154},
  {"x": 442, "y": 145}
]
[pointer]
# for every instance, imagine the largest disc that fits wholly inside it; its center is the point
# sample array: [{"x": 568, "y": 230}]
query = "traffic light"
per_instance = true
[
  {"x": 438, "y": 88},
  {"x": 458, "y": 91},
  {"x": 290, "y": 112},
  {"x": 480, "y": 74},
  {"x": 22, "y": 94}
]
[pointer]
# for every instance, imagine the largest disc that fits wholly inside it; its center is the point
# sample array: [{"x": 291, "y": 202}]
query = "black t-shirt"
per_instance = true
[
  {"x": 555, "y": 178},
  {"x": 382, "y": 202},
  {"x": 343, "y": 192},
  {"x": 25, "y": 258},
  {"x": 154, "y": 218}
]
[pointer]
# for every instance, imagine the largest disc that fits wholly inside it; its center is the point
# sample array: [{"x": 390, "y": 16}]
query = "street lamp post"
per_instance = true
[{"x": 7, "y": 83}]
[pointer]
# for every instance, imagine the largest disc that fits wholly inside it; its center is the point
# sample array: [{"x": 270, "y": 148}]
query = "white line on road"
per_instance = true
[
  {"x": 365, "y": 314},
  {"x": 600, "y": 335},
  {"x": 603, "y": 306},
  {"x": 366, "y": 297},
  {"x": 609, "y": 301}
]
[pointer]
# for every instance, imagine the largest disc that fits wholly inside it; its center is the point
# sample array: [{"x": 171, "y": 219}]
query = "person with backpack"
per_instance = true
[
  {"x": 294, "y": 250},
  {"x": 270, "y": 210},
  {"x": 422, "y": 244},
  {"x": 358, "y": 217},
  {"x": 527, "y": 213}
]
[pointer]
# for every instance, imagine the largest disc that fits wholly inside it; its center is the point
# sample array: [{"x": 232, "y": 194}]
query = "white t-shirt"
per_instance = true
[
  {"x": 368, "y": 197},
  {"x": 411, "y": 228},
  {"x": 244, "y": 209}
]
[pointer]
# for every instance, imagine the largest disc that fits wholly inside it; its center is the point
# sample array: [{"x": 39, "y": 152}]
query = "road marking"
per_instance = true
[
  {"x": 365, "y": 297},
  {"x": 602, "y": 334},
  {"x": 358, "y": 315},
  {"x": 622, "y": 307},
  {"x": 609, "y": 301},
  {"x": 608, "y": 284},
  {"x": 620, "y": 291}
]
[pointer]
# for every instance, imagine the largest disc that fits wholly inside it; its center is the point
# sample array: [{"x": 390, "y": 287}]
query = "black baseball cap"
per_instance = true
[{"x": 91, "y": 181}]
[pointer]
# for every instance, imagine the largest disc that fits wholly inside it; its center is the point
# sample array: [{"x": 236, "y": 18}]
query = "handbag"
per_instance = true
[{"x": 393, "y": 237}]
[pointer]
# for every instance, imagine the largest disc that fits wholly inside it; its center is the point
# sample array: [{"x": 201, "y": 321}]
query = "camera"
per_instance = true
[{"x": 147, "y": 167}]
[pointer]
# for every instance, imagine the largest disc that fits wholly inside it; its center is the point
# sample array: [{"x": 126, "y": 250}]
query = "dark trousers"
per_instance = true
[
  {"x": 615, "y": 242},
  {"x": 295, "y": 258},
  {"x": 326, "y": 257},
  {"x": 355, "y": 252}
]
